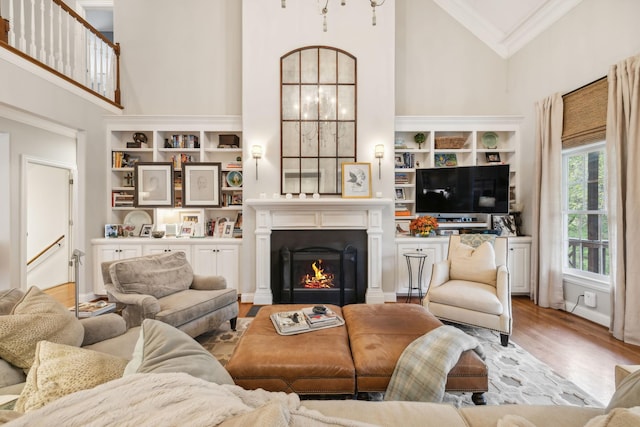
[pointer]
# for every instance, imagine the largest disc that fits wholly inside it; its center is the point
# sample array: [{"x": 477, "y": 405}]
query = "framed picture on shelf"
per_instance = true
[
  {"x": 227, "y": 231},
  {"x": 356, "y": 180},
  {"x": 238, "y": 221},
  {"x": 145, "y": 230},
  {"x": 201, "y": 185},
  {"x": 399, "y": 160},
  {"x": 400, "y": 195},
  {"x": 153, "y": 183},
  {"x": 112, "y": 230},
  {"x": 442, "y": 160},
  {"x": 505, "y": 225},
  {"x": 195, "y": 217},
  {"x": 220, "y": 226},
  {"x": 186, "y": 229},
  {"x": 493, "y": 157}
]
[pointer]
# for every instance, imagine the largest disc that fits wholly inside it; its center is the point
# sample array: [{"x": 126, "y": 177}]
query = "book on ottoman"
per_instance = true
[{"x": 296, "y": 322}]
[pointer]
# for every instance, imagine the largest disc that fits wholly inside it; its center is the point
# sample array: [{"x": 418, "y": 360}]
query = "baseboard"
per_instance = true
[{"x": 587, "y": 313}]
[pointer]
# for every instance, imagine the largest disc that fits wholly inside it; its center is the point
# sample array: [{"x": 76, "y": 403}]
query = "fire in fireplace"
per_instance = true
[{"x": 318, "y": 279}]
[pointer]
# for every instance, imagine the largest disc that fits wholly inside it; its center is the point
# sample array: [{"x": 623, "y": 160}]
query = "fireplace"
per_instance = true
[
  {"x": 327, "y": 216},
  {"x": 333, "y": 271}
]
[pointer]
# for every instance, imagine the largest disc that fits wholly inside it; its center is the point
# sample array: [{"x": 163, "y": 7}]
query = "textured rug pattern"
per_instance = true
[{"x": 515, "y": 376}]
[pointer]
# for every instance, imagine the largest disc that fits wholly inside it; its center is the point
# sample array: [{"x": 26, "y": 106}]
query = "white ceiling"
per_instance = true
[{"x": 507, "y": 25}]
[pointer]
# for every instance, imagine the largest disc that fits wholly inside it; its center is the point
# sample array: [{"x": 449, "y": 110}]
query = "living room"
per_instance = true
[{"x": 222, "y": 59}]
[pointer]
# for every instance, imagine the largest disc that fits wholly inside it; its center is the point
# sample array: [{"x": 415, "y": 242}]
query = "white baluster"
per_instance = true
[
  {"x": 42, "y": 32},
  {"x": 32, "y": 39},
  {"x": 60, "y": 63},
  {"x": 67, "y": 65},
  {"x": 102, "y": 68},
  {"x": 23, "y": 41},
  {"x": 51, "y": 60},
  {"x": 12, "y": 31}
]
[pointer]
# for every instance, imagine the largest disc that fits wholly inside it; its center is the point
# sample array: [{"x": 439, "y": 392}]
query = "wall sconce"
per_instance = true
[
  {"x": 379, "y": 152},
  {"x": 256, "y": 153}
]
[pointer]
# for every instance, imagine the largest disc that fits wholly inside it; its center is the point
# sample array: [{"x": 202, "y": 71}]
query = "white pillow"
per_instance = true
[
  {"x": 475, "y": 265},
  {"x": 161, "y": 348}
]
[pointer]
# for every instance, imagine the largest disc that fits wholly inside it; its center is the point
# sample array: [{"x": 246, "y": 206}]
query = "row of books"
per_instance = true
[
  {"x": 121, "y": 199},
  {"x": 402, "y": 210},
  {"x": 304, "y": 320},
  {"x": 405, "y": 161},
  {"x": 182, "y": 141},
  {"x": 402, "y": 178},
  {"x": 179, "y": 159}
]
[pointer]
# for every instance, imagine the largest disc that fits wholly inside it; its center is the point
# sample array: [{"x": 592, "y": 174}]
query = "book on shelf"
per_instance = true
[
  {"x": 91, "y": 309},
  {"x": 296, "y": 322}
]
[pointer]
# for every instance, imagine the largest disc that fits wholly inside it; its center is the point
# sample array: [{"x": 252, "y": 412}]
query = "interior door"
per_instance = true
[{"x": 48, "y": 203}]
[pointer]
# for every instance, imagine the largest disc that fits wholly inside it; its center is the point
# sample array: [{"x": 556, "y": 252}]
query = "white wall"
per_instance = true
[
  {"x": 269, "y": 33},
  {"x": 180, "y": 57},
  {"x": 442, "y": 68},
  {"x": 576, "y": 50}
]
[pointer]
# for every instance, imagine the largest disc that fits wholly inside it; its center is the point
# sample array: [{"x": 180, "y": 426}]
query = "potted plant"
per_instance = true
[
  {"x": 419, "y": 138},
  {"x": 423, "y": 226}
]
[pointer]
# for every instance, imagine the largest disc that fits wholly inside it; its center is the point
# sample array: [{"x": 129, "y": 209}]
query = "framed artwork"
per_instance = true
[
  {"x": 356, "y": 180},
  {"x": 111, "y": 230},
  {"x": 145, "y": 230},
  {"x": 153, "y": 183},
  {"x": 493, "y": 157},
  {"x": 238, "y": 221},
  {"x": 201, "y": 185},
  {"x": 399, "y": 160},
  {"x": 504, "y": 224},
  {"x": 400, "y": 195},
  {"x": 228, "y": 229},
  {"x": 195, "y": 217},
  {"x": 186, "y": 229},
  {"x": 442, "y": 160}
]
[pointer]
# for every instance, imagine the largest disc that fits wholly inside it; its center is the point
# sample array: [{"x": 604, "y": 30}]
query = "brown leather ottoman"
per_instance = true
[
  {"x": 378, "y": 333},
  {"x": 317, "y": 362}
]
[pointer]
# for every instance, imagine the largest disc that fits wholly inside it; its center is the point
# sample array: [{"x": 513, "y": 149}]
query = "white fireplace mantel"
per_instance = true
[{"x": 316, "y": 214}]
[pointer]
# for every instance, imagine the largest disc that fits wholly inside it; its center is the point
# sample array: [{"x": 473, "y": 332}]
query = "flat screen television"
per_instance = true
[{"x": 463, "y": 190}]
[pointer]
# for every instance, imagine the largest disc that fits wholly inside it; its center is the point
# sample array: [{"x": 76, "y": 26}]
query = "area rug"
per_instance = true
[{"x": 515, "y": 376}]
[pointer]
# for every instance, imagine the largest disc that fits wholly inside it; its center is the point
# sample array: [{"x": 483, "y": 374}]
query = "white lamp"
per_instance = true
[
  {"x": 256, "y": 153},
  {"x": 379, "y": 152}
]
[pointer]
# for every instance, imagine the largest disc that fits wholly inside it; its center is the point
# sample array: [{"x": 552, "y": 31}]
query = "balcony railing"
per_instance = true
[{"x": 53, "y": 36}]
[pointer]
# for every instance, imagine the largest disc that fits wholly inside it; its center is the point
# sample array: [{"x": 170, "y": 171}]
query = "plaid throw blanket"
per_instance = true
[{"x": 421, "y": 372}]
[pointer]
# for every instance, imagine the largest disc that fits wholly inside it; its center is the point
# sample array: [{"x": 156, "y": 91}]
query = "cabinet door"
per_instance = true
[
  {"x": 217, "y": 260},
  {"x": 519, "y": 259},
  {"x": 434, "y": 254}
]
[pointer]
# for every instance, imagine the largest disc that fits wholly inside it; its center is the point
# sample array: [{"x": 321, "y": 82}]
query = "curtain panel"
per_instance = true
[
  {"x": 546, "y": 257},
  {"x": 623, "y": 164}
]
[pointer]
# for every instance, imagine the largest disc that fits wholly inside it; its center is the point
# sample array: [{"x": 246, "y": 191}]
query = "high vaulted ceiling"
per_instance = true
[{"x": 507, "y": 25}]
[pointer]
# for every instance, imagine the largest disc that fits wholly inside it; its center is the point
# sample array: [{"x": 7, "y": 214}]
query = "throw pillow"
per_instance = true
[
  {"x": 475, "y": 265},
  {"x": 60, "y": 369},
  {"x": 161, "y": 348},
  {"x": 8, "y": 299},
  {"x": 619, "y": 417},
  {"x": 514, "y": 421},
  {"x": 34, "y": 318},
  {"x": 156, "y": 275},
  {"x": 627, "y": 395}
]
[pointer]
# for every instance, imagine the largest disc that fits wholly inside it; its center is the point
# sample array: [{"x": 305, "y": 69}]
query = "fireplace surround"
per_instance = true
[{"x": 318, "y": 214}]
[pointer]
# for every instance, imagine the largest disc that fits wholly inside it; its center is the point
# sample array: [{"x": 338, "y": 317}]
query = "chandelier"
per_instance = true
[{"x": 324, "y": 10}]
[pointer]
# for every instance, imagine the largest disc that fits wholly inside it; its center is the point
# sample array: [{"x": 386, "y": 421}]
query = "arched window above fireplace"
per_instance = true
[{"x": 318, "y": 118}]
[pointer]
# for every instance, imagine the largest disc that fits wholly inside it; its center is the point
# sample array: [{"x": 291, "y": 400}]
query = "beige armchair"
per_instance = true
[
  {"x": 163, "y": 287},
  {"x": 472, "y": 285}
]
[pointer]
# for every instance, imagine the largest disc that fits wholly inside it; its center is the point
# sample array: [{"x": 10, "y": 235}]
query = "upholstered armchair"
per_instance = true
[
  {"x": 164, "y": 287},
  {"x": 472, "y": 285}
]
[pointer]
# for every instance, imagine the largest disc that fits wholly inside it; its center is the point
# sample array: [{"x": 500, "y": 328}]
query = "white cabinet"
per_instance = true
[
  {"x": 218, "y": 260},
  {"x": 432, "y": 247},
  {"x": 166, "y": 247},
  {"x": 436, "y": 250},
  {"x": 520, "y": 264},
  {"x": 110, "y": 252}
]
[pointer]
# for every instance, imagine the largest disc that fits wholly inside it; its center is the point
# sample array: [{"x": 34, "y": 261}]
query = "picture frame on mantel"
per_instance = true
[
  {"x": 153, "y": 184},
  {"x": 201, "y": 185},
  {"x": 356, "y": 180}
]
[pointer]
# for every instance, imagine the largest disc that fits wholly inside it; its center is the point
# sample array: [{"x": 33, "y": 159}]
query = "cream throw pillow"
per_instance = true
[
  {"x": 161, "y": 348},
  {"x": 476, "y": 265},
  {"x": 60, "y": 369},
  {"x": 34, "y": 318}
]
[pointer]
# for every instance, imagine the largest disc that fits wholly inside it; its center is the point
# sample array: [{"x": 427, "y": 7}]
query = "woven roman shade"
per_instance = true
[{"x": 585, "y": 114}]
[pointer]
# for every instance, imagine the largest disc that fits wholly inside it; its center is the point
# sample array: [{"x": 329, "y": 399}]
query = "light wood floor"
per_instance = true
[{"x": 579, "y": 350}]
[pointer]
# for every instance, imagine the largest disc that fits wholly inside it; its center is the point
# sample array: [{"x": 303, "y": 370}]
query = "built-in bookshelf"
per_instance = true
[
  {"x": 177, "y": 141},
  {"x": 451, "y": 141}
]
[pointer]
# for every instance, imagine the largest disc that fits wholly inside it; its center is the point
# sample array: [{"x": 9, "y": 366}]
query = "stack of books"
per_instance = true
[
  {"x": 91, "y": 309},
  {"x": 304, "y": 320},
  {"x": 402, "y": 210}
]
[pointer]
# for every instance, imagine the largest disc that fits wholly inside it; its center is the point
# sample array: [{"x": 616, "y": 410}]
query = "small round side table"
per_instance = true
[{"x": 421, "y": 258}]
